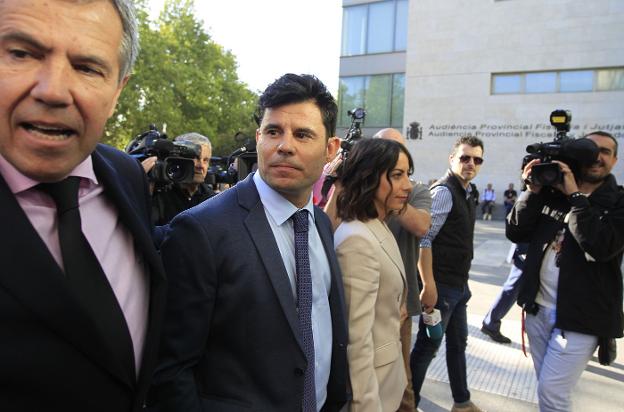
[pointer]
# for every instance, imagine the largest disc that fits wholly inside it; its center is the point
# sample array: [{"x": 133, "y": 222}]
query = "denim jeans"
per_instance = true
[
  {"x": 504, "y": 301},
  {"x": 451, "y": 303},
  {"x": 559, "y": 358}
]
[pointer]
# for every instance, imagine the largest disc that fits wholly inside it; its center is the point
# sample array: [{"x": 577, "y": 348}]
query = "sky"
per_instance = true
[{"x": 273, "y": 37}]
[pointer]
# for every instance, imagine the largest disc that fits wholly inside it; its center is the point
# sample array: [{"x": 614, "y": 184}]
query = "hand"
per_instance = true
[
  {"x": 403, "y": 313},
  {"x": 526, "y": 174},
  {"x": 331, "y": 167},
  {"x": 428, "y": 297},
  {"x": 148, "y": 164},
  {"x": 568, "y": 186}
]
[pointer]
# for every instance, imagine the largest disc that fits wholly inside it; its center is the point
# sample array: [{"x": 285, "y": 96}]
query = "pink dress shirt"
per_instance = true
[{"x": 111, "y": 242}]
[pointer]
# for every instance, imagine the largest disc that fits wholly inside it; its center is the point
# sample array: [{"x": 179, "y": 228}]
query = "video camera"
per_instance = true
[
  {"x": 576, "y": 153},
  {"x": 234, "y": 167},
  {"x": 353, "y": 135},
  {"x": 355, "y": 130},
  {"x": 175, "y": 160}
]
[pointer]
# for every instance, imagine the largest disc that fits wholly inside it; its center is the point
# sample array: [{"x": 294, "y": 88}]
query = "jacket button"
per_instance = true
[{"x": 298, "y": 371}]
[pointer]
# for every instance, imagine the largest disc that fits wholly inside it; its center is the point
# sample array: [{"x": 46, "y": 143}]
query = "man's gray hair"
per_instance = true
[
  {"x": 194, "y": 138},
  {"x": 129, "y": 49}
]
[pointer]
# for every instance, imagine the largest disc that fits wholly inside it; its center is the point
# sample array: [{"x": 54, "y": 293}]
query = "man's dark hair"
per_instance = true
[
  {"x": 361, "y": 174},
  {"x": 294, "y": 88},
  {"x": 470, "y": 141},
  {"x": 605, "y": 134}
]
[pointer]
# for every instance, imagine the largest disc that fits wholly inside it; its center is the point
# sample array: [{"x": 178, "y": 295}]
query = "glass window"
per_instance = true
[
  {"x": 610, "y": 79},
  {"x": 398, "y": 100},
  {"x": 354, "y": 30},
  {"x": 540, "y": 82},
  {"x": 506, "y": 83},
  {"x": 350, "y": 95},
  {"x": 380, "y": 27},
  {"x": 400, "y": 26},
  {"x": 378, "y": 102},
  {"x": 576, "y": 81}
]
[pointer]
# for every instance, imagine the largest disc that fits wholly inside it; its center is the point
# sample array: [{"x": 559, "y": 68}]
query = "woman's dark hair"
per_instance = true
[{"x": 361, "y": 174}]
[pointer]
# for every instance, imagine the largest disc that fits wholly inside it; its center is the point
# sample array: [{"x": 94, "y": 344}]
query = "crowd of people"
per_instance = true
[{"x": 256, "y": 298}]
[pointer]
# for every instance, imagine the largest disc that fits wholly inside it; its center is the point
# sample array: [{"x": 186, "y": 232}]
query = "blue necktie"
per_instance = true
[{"x": 304, "y": 305}]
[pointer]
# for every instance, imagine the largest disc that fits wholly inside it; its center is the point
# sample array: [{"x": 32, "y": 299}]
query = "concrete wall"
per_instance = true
[{"x": 455, "y": 45}]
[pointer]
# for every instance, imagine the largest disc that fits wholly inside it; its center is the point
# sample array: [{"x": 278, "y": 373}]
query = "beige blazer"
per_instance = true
[{"x": 375, "y": 288}]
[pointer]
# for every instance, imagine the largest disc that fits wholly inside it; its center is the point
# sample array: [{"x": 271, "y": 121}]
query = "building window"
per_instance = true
[
  {"x": 379, "y": 27},
  {"x": 563, "y": 81},
  {"x": 540, "y": 82},
  {"x": 610, "y": 79},
  {"x": 507, "y": 83},
  {"x": 382, "y": 97}
]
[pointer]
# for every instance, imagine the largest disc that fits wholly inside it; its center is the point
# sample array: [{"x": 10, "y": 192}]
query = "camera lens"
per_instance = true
[{"x": 175, "y": 172}]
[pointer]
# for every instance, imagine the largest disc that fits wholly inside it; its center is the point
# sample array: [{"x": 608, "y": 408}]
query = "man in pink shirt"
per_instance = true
[{"x": 81, "y": 286}]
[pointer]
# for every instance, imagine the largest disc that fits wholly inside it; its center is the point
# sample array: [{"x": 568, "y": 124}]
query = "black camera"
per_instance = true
[
  {"x": 175, "y": 160},
  {"x": 230, "y": 169},
  {"x": 576, "y": 153},
  {"x": 355, "y": 130}
]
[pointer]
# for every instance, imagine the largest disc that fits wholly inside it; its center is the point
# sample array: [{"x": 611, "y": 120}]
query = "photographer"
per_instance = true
[
  {"x": 171, "y": 199},
  {"x": 572, "y": 289}
]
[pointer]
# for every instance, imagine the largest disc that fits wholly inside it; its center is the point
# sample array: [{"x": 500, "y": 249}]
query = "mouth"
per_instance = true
[
  {"x": 284, "y": 166},
  {"x": 49, "y": 131}
]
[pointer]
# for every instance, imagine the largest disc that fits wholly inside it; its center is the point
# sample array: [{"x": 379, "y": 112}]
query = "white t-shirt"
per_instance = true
[{"x": 549, "y": 274}]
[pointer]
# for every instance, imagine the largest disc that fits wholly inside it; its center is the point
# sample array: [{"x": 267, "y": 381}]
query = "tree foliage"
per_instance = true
[{"x": 185, "y": 80}]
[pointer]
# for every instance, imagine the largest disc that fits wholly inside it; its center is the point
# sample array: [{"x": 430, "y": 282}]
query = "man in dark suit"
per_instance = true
[
  {"x": 81, "y": 285},
  {"x": 236, "y": 333}
]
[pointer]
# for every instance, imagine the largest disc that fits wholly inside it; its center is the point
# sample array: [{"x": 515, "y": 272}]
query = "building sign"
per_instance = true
[{"x": 531, "y": 130}]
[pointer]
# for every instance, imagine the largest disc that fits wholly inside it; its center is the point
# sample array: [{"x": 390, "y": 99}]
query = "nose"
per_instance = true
[
  {"x": 285, "y": 145},
  {"x": 53, "y": 85}
]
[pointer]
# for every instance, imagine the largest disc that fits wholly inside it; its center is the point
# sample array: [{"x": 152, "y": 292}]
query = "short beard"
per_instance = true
[{"x": 592, "y": 178}]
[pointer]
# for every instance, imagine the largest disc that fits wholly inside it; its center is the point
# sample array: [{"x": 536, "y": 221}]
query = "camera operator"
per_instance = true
[
  {"x": 572, "y": 289},
  {"x": 169, "y": 200}
]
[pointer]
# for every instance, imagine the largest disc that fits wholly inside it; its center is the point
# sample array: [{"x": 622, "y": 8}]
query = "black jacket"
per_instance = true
[
  {"x": 589, "y": 292},
  {"x": 170, "y": 201}
]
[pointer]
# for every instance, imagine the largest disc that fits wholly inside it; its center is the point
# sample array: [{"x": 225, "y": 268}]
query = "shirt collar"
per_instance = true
[
  {"x": 275, "y": 204},
  {"x": 18, "y": 182}
]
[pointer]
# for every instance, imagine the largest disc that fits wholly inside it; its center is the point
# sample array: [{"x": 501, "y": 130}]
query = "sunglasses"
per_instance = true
[{"x": 475, "y": 159}]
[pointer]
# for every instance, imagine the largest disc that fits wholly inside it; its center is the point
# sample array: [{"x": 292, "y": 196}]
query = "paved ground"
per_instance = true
[{"x": 500, "y": 377}]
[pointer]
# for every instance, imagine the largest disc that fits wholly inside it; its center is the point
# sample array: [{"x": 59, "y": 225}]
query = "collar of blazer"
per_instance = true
[
  {"x": 261, "y": 234},
  {"x": 387, "y": 242}
]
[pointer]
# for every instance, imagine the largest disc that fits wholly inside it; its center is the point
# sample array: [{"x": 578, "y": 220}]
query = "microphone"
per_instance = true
[{"x": 249, "y": 147}]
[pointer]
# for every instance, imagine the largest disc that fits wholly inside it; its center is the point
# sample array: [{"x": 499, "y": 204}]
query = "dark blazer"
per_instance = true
[
  {"x": 51, "y": 356},
  {"x": 231, "y": 340}
]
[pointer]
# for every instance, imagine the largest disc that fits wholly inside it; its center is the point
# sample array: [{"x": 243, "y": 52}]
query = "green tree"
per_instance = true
[{"x": 185, "y": 80}]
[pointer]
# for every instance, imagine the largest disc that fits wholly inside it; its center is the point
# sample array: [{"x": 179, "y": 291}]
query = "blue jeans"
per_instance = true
[
  {"x": 452, "y": 306},
  {"x": 504, "y": 301}
]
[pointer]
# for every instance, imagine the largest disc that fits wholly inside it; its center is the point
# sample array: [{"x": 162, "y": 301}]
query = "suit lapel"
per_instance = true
[
  {"x": 36, "y": 281},
  {"x": 117, "y": 188},
  {"x": 388, "y": 244},
  {"x": 261, "y": 234}
]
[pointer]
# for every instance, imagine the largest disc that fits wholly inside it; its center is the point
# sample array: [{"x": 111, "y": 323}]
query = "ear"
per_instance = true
[
  {"x": 333, "y": 144},
  {"x": 120, "y": 87},
  {"x": 257, "y": 135}
]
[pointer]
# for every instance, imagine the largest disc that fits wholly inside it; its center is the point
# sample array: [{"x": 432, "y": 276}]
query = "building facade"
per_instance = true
[{"x": 495, "y": 69}]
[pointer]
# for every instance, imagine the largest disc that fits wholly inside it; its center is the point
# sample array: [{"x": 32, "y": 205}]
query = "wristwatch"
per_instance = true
[{"x": 573, "y": 197}]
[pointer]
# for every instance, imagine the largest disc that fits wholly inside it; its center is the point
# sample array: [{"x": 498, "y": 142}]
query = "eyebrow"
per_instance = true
[
  {"x": 22, "y": 37},
  {"x": 306, "y": 130}
]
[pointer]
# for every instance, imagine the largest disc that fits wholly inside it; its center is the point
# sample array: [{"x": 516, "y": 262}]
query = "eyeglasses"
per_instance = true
[{"x": 475, "y": 159}]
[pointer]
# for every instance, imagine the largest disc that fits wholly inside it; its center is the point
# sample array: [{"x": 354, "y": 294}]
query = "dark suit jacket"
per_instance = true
[
  {"x": 231, "y": 340},
  {"x": 51, "y": 356}
]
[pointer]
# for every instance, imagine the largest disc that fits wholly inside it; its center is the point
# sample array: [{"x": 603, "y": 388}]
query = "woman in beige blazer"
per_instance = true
[{"x": 374, "y": 184}]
